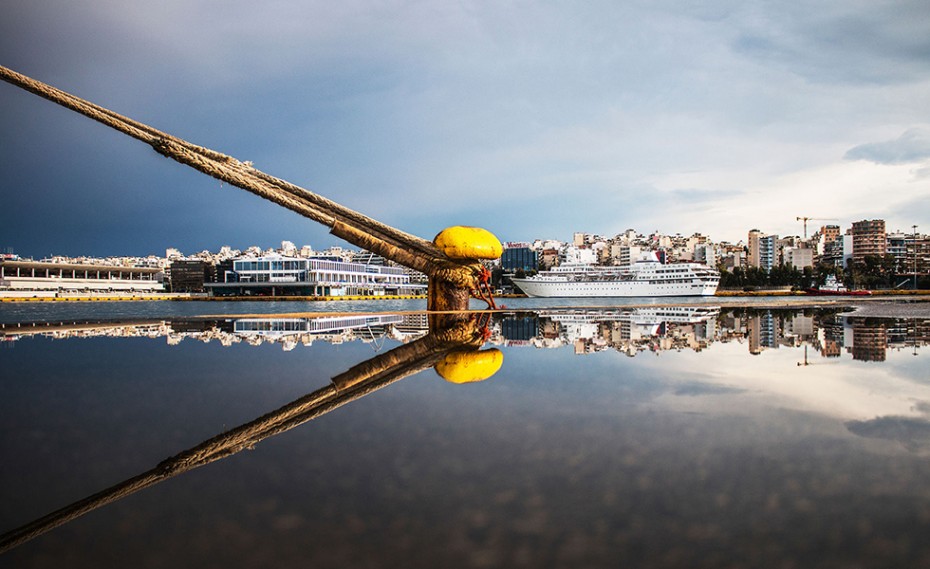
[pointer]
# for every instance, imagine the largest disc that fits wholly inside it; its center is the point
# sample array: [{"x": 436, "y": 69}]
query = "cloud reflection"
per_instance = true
[{"x": 913, "y": 433}]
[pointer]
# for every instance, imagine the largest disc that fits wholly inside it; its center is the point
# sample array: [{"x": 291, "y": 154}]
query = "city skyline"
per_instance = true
[
  {"x": 306, "y": 249},
  {"x": 537, "y": 120}
]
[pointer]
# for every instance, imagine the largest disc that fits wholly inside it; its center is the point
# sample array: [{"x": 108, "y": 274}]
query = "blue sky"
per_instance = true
[{"x": 531, "y": 119}]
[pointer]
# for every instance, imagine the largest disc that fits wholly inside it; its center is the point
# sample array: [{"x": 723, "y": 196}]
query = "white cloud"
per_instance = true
[
  {"x": 913, "y": 146},
  {"x": 838, "y": 192}
]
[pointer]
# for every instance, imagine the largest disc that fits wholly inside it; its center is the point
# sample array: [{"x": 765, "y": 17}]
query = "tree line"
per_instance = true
[{"x": 873, "y": 272}]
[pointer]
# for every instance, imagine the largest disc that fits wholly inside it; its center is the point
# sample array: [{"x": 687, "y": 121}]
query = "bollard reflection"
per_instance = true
[{"x": 452, "y": 345}]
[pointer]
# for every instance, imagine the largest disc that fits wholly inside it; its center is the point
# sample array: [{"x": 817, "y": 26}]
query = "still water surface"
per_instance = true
[
  {"x": 693, "y": 436},
  {"x": 33, "y": 311}
]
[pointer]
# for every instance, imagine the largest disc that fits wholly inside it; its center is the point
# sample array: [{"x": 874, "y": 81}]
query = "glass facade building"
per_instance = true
[
  {"x": 519, "y": 258},
  {"x": 767, "y": 250}
]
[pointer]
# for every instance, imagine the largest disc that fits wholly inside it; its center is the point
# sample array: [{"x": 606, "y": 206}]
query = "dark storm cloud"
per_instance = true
[
  {"x": 578, "y": 117},
  {"x": 912, "y": 146}
]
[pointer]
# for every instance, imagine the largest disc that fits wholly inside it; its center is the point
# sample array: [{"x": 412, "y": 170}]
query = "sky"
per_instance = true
[{"x": 530, "y": 119}]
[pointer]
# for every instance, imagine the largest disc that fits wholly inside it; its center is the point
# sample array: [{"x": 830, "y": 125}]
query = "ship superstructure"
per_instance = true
[{"x": 648, "y": 278}]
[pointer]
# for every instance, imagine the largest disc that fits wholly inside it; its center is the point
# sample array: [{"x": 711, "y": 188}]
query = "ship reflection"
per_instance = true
[{"x": 627, "y": 331}]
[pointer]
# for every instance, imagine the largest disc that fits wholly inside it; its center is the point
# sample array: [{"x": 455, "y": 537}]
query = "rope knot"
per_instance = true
[{"x": 162, "y": 146}]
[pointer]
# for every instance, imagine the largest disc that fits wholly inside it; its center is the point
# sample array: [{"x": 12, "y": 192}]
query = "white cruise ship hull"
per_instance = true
[{"x": 562, "y": 288}]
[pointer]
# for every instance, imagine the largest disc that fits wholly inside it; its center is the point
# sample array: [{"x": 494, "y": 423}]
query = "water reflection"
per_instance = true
[
  {"x": 288, "y": 331},
  {"x": 684, "y": 437},
  {"x": 627, "y": 331},
  {"x": 696, "y": 328},
  {"x": 450, "y": 345},
  {"x": 632, "y": 331}
]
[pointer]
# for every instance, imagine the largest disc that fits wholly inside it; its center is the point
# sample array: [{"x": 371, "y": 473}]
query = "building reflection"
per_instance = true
[
  {"x": 288, "y": 332},
  {"x": 636, "y": 331},
  {"x": 870, "y": 340},
  {"x": 632, "y": 332}
]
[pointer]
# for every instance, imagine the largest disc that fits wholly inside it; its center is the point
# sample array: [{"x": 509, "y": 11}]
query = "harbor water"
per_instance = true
[{"x": 676, "y": 435}]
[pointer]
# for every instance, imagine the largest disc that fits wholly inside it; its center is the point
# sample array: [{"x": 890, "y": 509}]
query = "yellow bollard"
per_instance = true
[
  {"x": 462, "y": 242},
  {"x": 469, "y": 367}
]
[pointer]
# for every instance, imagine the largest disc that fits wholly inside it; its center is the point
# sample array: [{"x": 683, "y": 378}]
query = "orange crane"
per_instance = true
[{"x": 806, "y": 219}]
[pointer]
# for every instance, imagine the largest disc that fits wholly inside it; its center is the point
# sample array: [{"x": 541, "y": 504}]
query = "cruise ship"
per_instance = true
[{"x": 647, "y": 277}]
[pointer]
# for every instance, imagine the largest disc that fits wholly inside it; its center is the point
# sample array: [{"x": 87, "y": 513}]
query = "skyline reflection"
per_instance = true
[
  {"x": 630, "y": 331},
  {"x": 685, "y": 437}
]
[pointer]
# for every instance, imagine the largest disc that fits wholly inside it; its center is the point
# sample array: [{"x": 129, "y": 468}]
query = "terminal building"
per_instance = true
[
  {"x": 519, "y": 256},
  {"x": 275, "y": 275},
  {"x": 189, "y": 275},
  {"x": 32, "y": 278}
]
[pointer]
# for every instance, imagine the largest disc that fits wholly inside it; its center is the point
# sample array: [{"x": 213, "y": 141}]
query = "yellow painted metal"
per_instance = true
[
  {"x": 464, "y": 242},
  {"x": 468, "y": 367}
]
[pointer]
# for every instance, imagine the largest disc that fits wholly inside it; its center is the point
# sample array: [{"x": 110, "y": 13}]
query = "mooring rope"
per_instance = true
[{"x": 356, "y": 228}]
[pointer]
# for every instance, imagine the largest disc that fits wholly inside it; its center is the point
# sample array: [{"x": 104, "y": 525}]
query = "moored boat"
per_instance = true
[
  {"x": 832, "y": 287},
  {"x": 645, "y": 278}
]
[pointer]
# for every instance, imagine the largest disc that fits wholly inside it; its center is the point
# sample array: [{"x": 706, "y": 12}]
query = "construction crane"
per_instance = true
[{"x": 806, "y": 219}]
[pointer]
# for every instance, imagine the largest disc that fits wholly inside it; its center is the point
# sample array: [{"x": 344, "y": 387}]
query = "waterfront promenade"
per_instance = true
[
  {"x": 68, "y": 308},
  {"x": 779, "y": 296}
]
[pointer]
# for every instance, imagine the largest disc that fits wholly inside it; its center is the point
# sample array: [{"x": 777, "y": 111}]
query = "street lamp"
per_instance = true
[{"x": 914, "y": 227}]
